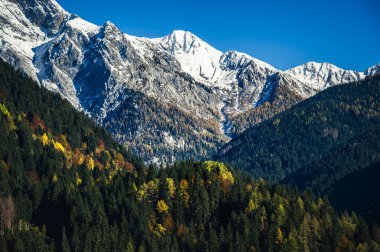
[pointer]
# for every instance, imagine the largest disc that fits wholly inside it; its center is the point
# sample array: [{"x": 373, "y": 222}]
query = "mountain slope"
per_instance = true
[
  {"x": 25, "y": 25},
  {"x": 99, "y": 70},
  {"x": 359, "y": 192},
  {"x": 37, "y": 111},
  {"x": 277, "y": 97},
  {"x": 65, "y": 185},
  {"x": 321, "y": 139},
  {"x": 359, "y": 152}
]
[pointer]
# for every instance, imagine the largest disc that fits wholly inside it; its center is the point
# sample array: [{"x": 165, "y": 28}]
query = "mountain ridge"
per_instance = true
[{"x": 96, "y": 68}]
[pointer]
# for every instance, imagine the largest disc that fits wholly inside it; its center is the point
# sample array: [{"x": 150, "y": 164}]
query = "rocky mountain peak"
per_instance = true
[
  {"x": 373, "y": 70},
  {"x": 180, "y": 41},
  {"x": 79, "y": 24},
  {"x": 323, "y": 75}
]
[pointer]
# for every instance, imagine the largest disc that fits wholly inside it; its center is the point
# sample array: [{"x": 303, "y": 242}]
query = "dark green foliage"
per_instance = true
[
  {"x": 356, "y": 154},
  {"x": 363, "y": 199}
]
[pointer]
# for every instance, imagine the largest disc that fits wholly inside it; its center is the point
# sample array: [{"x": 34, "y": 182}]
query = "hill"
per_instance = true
[{"x": 316, "y": 143}]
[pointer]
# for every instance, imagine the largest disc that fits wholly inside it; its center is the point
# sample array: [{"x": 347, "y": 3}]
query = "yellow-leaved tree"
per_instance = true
[
  {"x": 55, "y": 178},
  {"x": 171, "y": 187},
  {"x": 251, "y": 206},
  {"x": 279, "y": 237},
  {"x": 90, "y": 164},
  {"x": 78, "y": 179},
  {"x": 161, "y": 229},
  {"x": 183, "y": 187},
  {"x": 4, "y": 110},
  {"x": 162, "y": 207},
  {"x": 58, "y": 146},
  {"x": 44, "y": 139},
  {"x": 222, "y": 170}
]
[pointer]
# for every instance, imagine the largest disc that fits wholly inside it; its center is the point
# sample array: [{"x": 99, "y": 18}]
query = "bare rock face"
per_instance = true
[
  {"x": 47, "y": 15},
  {"x": 166, "y": 98}
]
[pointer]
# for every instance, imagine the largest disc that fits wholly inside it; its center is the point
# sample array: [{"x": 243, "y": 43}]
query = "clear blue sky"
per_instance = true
[{"x": 282, "y": 33}]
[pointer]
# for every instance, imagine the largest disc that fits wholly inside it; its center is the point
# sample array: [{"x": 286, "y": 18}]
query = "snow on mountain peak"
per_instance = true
[
  {"x": 180, "y": 41},
  {"x": 205, "y": 63},
  {"x": 373, "y": 70},
  {"x": 233, "y": 59},
  {"x": 315, "y": 67},
  {"x": 110, "y": 27},
  {"x": 83, "y": 25},
  {"x": 195, "y": 56},
  {"x": 323, "y": 75}
]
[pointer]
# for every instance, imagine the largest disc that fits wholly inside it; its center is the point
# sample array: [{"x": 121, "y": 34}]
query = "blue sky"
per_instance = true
[{"x": 282, "y": 33}]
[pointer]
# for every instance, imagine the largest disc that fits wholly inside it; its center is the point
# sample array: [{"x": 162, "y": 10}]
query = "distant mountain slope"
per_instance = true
[
  {"x": 98, "y": 68},
  {"x": 357, "y": 153},
  {"x": 65, "y": 185},
  {"x": 317, "y": 142},
  {"x": 276, "y": 99}
]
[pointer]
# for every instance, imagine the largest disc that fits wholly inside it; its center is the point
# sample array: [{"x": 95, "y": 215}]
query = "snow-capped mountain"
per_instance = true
[
  {"x": 164, "y": 98},
  {"x": 196, "y": 57},
  {"x": 372, "y": 70},
  {"x": 323, "y": 75}
]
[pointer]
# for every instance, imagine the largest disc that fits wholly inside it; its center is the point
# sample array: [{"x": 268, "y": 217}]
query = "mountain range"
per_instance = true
[{"x": 166, "y": 98}]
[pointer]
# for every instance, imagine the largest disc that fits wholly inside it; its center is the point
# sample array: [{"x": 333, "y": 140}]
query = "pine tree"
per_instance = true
[
  {"x": 65, "y": 247},
  {"x": 130, "y": 247}
]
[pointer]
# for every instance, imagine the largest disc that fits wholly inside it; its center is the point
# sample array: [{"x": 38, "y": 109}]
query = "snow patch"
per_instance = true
[{"x": 83, "y": 25}]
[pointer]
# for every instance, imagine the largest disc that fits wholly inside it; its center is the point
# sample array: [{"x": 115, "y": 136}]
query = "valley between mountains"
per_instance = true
[{"x": 165, "y": 99}]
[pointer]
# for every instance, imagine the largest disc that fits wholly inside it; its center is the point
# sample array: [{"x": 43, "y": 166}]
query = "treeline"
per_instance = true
[{"x": 281, "y": 99}]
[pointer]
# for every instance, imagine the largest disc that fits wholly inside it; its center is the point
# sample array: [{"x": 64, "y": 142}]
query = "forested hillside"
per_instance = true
[
  {"x": 316, "y": 143},
  {"x": 278, "y": 100},
  {"x": 66, "y": 186},
  {"x": 339, "y": 120}
]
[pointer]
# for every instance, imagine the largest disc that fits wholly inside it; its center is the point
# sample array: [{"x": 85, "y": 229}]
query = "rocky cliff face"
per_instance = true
[{"x": 166, "y": 98}]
